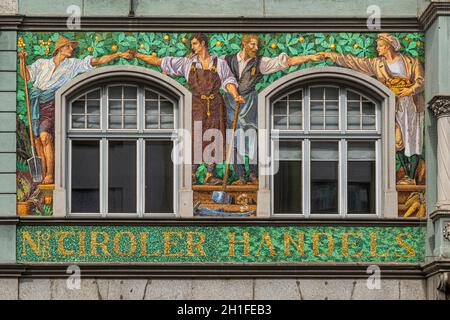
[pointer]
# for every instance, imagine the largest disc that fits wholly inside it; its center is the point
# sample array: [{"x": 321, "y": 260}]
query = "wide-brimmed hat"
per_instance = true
[{"x": 62, "y": 42}]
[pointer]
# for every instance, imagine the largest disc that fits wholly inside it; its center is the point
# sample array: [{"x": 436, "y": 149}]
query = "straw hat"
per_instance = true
[{"x": 62, "y": 42}]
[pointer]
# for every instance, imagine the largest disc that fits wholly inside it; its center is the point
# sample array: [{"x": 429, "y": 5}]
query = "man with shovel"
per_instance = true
[
  {"x": 248, "y": 68},
  {"x": 206, "y": 75},
  {"x": 48, "y": 75}
]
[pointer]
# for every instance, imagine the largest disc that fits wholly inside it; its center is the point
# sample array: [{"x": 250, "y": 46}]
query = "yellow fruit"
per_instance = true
[
  {"x": 41, "y": 42},
  {"x": 142, "y": 46},
  {"x": 90, "y": 49},
  {"x": 154, "y": 54},
  {"x": 413, "y": 197},
  {"x": 412, "y": 209},
  {"x": 114, "y": 47},
  {"x": 407, "y": 38},
  {"x": 184, "y": 40},
  {"x": 356, "y": 46},
  {"x": 332, "y": 46},
  {"x": 301, "y": 39},
  {"x": 218, "y": 43},
  {"x": 166, "y": 37},
  {"x": 48, "y": 200},
  {"x": 421, "y": 212},
  {"x": 49, "y": 40},
  {"x": 419, "y": 43},
  {"x": 97, "y": 38},
  {"x": 273, "y": 45}
]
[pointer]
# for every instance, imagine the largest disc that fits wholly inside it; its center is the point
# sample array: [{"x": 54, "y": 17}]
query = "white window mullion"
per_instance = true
[
  {"x": 378, "y": 178},
  {"x": 343, "y": 178},
  {"x": 306, "y": 177},
  {"x": 140, "y": 178},
  {"x": 104, "y": 177},
  {"x": 69, "y": 177}
]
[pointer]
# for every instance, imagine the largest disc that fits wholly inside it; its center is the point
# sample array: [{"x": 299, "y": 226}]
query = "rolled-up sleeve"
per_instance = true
[
  {"x": 33, "y": 69},
  {"x": 175, "y": 66},
  {"x": 271, "y": 65},
  {"x": 225, "y": 74}
]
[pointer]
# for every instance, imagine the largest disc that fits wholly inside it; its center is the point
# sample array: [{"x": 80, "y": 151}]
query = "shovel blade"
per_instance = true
[
  {"x": 221, "y": 197},
  {"x": 35, "y": 167}
]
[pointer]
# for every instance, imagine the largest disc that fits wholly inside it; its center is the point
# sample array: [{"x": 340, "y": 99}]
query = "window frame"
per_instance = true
[
  {"x": 306, "y": 135},
  {"x": 105, "y": 134}
]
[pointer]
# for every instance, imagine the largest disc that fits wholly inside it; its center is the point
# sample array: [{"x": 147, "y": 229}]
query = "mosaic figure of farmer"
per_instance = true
[
  {"x": 405, "y": 77},
  {"x": 248, "y": 68},
  {"x": 206, "y": 74},
  {"x": 47, "y": 76}
]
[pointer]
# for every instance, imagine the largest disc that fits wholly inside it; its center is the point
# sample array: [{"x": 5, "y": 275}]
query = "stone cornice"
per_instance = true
[
  {"x": 209, "y": 24},
  {"x": 433, "y": 10},
  {"x": 440, "y": 106}
]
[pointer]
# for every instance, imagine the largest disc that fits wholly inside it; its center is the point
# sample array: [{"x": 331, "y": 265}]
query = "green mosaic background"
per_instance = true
[
  {"x": 216, "y": 245},
  {"x": 41, "y": 45}
]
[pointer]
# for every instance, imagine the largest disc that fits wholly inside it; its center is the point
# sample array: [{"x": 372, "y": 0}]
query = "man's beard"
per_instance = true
[{"x": 251, "y": 53}]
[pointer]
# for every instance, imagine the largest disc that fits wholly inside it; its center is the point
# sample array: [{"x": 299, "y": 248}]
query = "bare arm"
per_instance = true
[
  {"x": 150, "y": 59},
  {"x": 232, "y": 89},
  {"x": 110, "y": 57},
  {"x": 296, "y": 60}
]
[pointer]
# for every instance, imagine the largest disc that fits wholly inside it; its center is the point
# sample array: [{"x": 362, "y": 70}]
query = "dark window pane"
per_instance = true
[
  {"x": 78, "y": 106},
  {"x": 316, "y": 93},
  {"x": 280, "y": 122},
  {"x": 122, "y": 177},
  {"x": 115, "y": 92},
  {"x": 166, "y": 107},
  {"x": 280, "y": 107},
  {"x": 93, "y": 106},
  {"x": 94, "y": 94},
  {"x": 332, "y": 93},
  {"x": 166, "y": 122},
  {"x": 158, "y": 177},
  {"x": 324, "y": 177},
  {"x": 130, "y": 107},
  {"x": 85, "y": 177},
  {"x": 361, "y": 186},
  {"x": 115, "y": 107},
  {"x": 288, "y": 179},
  {"x": 361, "y": 177},
  {"x": 151, "y": 95},
  {"x": 288, "y": 187},
  {"x": 93, "y": 122},
  {"x": 324, "y": 187},
  {"x": 296, "y": 96},
  {"x": 129, "y": 92},
  {"x": 352, "y": 95},
  {"x": 78, "y": 121}
]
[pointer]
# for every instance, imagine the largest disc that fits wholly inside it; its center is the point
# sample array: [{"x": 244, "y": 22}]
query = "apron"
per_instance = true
[{"x": 207, "y": 107}]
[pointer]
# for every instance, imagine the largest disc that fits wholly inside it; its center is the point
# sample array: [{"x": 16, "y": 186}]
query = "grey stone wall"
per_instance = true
[
  {"x": 8, "y": 7},
  {"x": 251, "y": 289}
]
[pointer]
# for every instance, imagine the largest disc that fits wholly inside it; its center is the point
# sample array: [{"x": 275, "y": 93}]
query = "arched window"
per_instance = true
[
  {"x": 120, "y": 145},
  {"x": 326, "y": 140},
  {"x": 326, "y": 146},
  {"x": 118, "y": 140}
]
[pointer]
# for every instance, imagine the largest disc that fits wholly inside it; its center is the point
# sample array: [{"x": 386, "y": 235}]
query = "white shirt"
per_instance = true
[
  {"x": 182, "y": 66},
  {"x": 267, "y": 65},
  {"x": 46, "y": 77}
]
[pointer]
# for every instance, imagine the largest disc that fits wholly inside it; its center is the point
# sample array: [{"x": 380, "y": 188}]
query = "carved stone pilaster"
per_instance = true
[
  {"x": 447, "y": 231},
  {"x": 444, "y": 283},
  {"x": 440, "y": 106}
]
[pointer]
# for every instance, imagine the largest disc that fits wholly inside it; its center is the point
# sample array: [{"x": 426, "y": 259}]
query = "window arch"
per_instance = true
[
  {"x": 128, "y": 120},
  {"x": 328, "y": 133}
]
